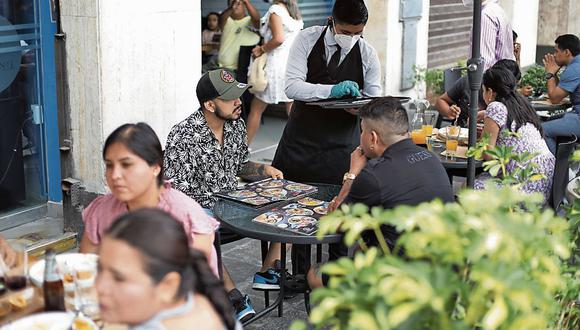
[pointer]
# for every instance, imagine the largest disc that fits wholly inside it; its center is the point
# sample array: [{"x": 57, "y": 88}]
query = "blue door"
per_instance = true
[{"x": 29, "y": 159}]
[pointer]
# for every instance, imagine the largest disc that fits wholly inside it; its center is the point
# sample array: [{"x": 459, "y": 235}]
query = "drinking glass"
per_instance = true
[
  {"x": 86, "y": 292},
  {"x": 452, "y": 140},
  {"x": 17, "y": 276},
  {"x": 428, "y": 122},
  {"x": 417, "y": 133}
]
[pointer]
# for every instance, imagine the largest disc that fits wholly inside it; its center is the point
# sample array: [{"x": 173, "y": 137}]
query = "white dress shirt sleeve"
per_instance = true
[
  {"x": 372, "y": 75},
  {"x": 296, "y": 86}
]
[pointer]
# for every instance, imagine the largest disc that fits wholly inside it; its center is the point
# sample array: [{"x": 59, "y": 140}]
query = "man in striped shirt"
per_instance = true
[{"x": 496, "y": 33}]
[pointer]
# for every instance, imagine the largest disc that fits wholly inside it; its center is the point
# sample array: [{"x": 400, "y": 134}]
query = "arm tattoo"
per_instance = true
[{"x": 252, "y": 171}]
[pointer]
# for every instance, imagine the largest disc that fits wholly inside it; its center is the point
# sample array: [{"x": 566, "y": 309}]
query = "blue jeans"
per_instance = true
[{"x": 565, "y": 126}]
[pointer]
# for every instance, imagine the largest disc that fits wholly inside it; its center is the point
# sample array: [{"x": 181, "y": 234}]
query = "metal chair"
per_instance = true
[{"x": 565, "y": 147}]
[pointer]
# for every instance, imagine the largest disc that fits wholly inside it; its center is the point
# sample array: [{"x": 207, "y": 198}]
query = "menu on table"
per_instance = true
[
  {"x": 300, "y": 217},
  {"x": 268, "y": 191}
]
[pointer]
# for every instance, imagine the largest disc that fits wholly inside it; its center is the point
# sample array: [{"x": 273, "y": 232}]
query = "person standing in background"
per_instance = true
[
  {"x": 280, "y": 26},
  {"x": 235, "y": 24},
  {"x": 210, "y": 39},
  {"x": 496, "y": 33}
]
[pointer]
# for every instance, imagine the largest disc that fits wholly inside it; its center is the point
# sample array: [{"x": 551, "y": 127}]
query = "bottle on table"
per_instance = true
[{"x": 52, "y": 286}]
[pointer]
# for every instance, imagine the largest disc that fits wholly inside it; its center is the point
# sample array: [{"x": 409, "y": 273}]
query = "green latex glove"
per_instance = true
[{"x": 345, "y": 88}]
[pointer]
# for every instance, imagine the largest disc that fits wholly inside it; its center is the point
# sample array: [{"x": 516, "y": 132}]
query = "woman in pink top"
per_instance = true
[{"x": 134, "y": 173}]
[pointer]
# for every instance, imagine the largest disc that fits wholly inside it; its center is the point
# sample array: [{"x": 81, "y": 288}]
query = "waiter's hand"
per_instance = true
[
  {"x": 345, "y": 88},
  {"x": 273, "y": 172},
  {"x": 358, "y": 160}
]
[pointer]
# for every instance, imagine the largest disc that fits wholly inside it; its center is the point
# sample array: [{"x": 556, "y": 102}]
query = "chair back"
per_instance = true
[
  {"x": 565, "y": 147},
  {"x": 450, "y": 76}
]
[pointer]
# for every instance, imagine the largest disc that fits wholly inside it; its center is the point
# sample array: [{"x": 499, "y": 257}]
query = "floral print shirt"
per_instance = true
[
  {"x": 531, "y": 140},
  {"x": 196, "y": 162}
]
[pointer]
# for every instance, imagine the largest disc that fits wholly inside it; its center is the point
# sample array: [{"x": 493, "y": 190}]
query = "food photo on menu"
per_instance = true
[
  {"x": 300, "y": 217},
  {"x": 268, "y": 191}
]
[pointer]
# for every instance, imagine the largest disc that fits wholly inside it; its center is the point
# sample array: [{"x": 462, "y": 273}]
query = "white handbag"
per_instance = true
[{"x": 257, "y": 74}]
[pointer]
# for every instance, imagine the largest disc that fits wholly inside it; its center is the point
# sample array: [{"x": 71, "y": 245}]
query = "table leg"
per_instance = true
[
  {"x": 264, "y": 247},
  {"x": 282, "y": 279},
  {"x": 280, "y": 299}
]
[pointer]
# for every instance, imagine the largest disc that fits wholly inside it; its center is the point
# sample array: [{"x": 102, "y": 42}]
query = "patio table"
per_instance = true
[{"x": 238, "y": 218}]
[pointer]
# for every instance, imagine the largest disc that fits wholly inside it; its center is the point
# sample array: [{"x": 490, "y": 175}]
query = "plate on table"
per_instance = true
[
  {"x": 299, "y": 211},
  {"x": 270, "y": 217},
  {"x": 271, "y": 184},
  {"x": 259, "y": 200},
  {"x": 321, "y": 210},
  {"x": 273, "y": 192},
  {"x": 51, "y": 321},
  {"x": 301, "y": 221},
  {"x": 292, "y": 206},
  {"x": 85, "y": 264},
  {"x": 242, "y": 194},
  {"x": 307, "y": 201},
  {"x": 298, "y": 187}
]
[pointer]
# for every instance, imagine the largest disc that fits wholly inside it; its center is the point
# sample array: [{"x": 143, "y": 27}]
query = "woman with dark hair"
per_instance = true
[
  {"x": 149, "y": 278},
  {"x": 507, "y": 110},
  {"x": 134, "y": 174}
]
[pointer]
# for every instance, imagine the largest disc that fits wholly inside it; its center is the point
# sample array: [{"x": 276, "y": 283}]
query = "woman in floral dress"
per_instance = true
[{"x": 508, "y": 111}]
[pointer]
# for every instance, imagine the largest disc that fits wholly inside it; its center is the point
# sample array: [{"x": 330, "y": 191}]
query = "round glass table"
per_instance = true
[{"x": 238, "y": 218}]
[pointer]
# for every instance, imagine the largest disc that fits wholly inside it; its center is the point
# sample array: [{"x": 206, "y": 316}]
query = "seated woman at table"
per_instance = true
[
  {"x": 507, "y": 110},
  {"x": 149, "y": 278},
  {"x": 134, "y": 174}
]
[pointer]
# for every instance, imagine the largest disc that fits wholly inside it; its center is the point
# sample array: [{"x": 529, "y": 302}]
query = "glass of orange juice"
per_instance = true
[
  {"x": 452, "y": 140},
  {"x": 418, "y": 136},
  {"x": 428, "y": 121}
]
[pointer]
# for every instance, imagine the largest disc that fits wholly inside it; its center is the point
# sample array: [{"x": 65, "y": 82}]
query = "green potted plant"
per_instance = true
[
  {"x": 535, "y": 77},
  {"x": 467, "y": 265},
  {"x": 433, "y": 79},
  {"x": 494, "y": 260}
]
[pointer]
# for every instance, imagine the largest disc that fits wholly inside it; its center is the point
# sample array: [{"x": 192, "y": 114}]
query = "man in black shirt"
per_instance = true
[
  {"x": 388, "y": 169},
  {"x": 455, "y": 101}
]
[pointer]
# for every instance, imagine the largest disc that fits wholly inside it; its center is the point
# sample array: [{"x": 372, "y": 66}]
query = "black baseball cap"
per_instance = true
[{"x": 219, "y": 83}]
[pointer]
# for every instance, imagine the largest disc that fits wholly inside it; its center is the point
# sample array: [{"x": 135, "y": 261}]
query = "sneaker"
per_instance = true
[
  {"x": 268, "y": 280},
  {"x": 242, "y": 305}
]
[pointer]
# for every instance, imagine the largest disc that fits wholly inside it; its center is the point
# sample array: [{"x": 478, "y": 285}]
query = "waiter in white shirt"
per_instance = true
[{"x": 325, "y": 62}]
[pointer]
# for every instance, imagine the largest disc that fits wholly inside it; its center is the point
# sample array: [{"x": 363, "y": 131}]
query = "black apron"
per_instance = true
[{"x": 316, "y": 143}]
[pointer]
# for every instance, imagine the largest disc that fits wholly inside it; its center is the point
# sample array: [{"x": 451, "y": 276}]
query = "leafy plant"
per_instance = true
[
  {"x": 433, "y": 78},
  {"x": 476, "y": 264},
  {"x": 505, "y": 165},
  {"x": 569, "y": 296},
  {"x": 535, "y": 77}
]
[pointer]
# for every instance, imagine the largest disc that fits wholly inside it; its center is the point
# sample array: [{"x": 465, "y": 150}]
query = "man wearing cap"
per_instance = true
[{"x": 205, "y": 153}]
